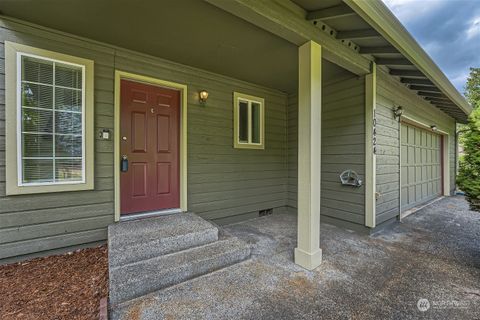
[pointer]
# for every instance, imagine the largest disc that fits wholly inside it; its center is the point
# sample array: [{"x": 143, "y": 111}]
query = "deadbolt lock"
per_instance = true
[{"x": 124, "y": 163}]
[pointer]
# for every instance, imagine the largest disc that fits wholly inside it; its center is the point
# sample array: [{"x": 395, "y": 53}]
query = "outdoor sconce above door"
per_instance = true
[{"x": 203, "y": 96}]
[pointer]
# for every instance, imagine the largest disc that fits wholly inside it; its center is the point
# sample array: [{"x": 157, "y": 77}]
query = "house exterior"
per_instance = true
[{"x": 229, "y": 109}]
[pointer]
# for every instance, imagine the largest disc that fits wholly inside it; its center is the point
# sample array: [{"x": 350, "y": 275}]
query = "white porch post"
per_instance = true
[
  {"x": 370, "y": 146},
  {"x": 308, "y": 253}
]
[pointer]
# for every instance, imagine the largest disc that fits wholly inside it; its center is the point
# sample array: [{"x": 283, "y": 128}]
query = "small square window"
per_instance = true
[{"x": 248, "y": 121}]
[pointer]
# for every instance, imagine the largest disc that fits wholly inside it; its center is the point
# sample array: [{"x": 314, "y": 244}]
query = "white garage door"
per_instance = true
[{"x": 421, "y": 166}]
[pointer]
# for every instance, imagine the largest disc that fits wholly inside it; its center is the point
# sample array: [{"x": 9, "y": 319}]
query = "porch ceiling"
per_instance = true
[
  {"x": 190, "y": 32},
  {"x": 346, "y": 22}
]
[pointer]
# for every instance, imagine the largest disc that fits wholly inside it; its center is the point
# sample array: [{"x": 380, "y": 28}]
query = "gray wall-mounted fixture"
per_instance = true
[
  {"x": 105, "y": 134},
  {"x": 350, "y": 178},
  {"x": 397, "y": 112}
]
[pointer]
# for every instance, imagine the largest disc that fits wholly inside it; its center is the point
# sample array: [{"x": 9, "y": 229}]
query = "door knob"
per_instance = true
[{"x": 124, "y": 138}]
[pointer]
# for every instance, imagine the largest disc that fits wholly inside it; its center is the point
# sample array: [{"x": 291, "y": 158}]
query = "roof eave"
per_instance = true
[{"x": 376, "y": 13}]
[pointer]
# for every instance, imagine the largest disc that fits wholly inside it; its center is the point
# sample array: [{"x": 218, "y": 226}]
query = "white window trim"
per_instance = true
[
  {"x": 237, "y": 97},
  {"x": 14, "y": 170},
  {"x": 20, "y": 182}
]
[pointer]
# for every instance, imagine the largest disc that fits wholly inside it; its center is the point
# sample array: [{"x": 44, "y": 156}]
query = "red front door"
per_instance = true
[{"x": 150, "y": 135}]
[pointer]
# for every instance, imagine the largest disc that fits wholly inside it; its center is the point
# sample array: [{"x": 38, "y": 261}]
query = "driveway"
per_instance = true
[{"x": 433, "y": 254}]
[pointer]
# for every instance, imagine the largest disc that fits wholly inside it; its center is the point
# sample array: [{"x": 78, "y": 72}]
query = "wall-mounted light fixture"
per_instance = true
[
  {"x": 433, "y": 127},
  {"x": 397, "y": 112},
  {"x": 203, "y": 96}
]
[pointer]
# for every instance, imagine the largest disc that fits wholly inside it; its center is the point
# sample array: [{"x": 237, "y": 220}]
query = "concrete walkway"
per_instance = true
[{"x": 433, "y": 254}]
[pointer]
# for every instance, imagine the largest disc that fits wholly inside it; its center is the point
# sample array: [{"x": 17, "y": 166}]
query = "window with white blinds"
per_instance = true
[{"x": 51, "y": 121}]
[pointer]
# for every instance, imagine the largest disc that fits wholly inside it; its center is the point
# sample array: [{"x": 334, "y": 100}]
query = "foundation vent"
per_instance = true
[{"x": 265, "y": 212}]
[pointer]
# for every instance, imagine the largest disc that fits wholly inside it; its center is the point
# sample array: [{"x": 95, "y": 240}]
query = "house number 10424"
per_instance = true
[{"x": 374, "y": 132}]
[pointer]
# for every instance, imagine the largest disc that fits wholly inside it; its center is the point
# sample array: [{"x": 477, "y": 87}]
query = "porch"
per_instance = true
[
  {"x": 206, "y": 173},
  {"x": 382, "y": 276},
  {"x": 318, "y": 92}
]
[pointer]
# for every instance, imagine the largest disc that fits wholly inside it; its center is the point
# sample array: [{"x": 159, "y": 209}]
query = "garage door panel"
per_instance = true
[
  {"x": 411, "y": 155},
  {"x": 404, "y": 196},
  {"x": 420, "y": 166},
  {"x": 418, "y": 174},
  {"x": 411, "y": 135},
  {"x": 411, "y": 193},
  {"x": 404, "y": 150},
  {"x": 411, "y": 175},
  {"x": 404, "y": 135},
  {"x": 418, "y": 193},
  {"x": 404, "y": 175}
]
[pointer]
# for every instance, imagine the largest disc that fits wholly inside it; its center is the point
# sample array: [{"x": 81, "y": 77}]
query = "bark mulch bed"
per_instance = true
[{"x": 67, "y": 286}]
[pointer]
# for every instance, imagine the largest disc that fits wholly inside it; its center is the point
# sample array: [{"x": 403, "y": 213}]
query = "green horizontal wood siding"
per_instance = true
[
  {"x": 343, "y": 147},
  {"x": 35, "y": 223},
  {"x": 224, "y": 183}
]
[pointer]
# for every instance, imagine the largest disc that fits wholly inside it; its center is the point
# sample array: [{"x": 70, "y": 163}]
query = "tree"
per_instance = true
[
  {"x": 472, "y": 93},
  {"x": 472, "y": 88},
  {"x": 469, "y": 171}
]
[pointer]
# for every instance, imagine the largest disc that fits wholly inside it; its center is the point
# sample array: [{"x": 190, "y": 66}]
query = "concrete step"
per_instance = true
[
  {"x": 143, "y": 239},
  {"x": 140, "y": 278},
  {"x": 205, "y": 297}
]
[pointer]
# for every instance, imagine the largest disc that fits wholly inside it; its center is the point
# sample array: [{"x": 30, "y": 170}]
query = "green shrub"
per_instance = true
[{"x": 469, "y": 167}]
